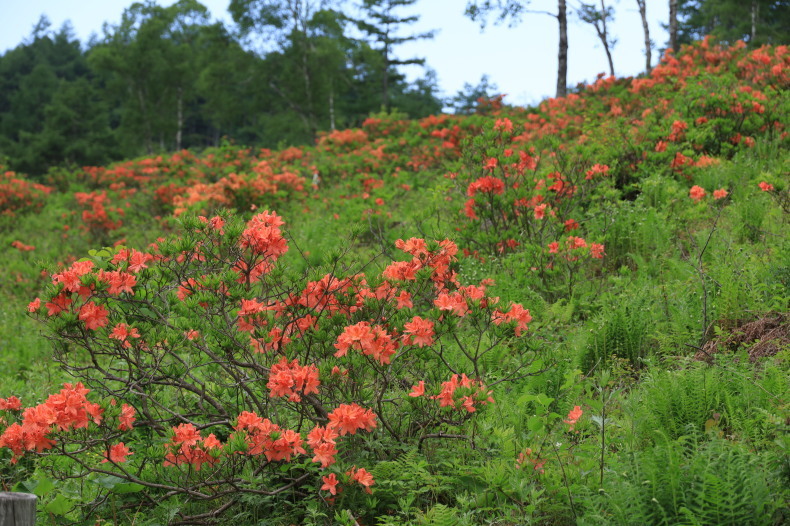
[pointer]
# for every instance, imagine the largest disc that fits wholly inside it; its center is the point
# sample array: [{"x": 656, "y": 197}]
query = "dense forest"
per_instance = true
[{"x": 168, "y": 78}]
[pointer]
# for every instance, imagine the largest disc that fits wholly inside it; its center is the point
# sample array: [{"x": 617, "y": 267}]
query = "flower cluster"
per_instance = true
[{"x": 68, "y": 409}]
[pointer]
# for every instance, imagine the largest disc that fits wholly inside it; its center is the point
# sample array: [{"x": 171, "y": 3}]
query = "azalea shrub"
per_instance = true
[
  {"x": 205, "y": 371},
  {"x": 18, "y": 194}
]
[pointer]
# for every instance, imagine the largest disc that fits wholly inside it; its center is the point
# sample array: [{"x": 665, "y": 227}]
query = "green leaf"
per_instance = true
[
  {"x": 535, "y": 424},
  {"x": 39, "y": 487},
  {"x": 60, "y": 505},
  {"x": 118, "y": 485}
]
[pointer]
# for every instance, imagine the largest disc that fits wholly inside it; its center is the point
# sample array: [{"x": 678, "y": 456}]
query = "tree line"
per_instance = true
[{"x": 167, "y": 78}]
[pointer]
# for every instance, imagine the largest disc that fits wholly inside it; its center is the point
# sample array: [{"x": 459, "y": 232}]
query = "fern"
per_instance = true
[
  {"x": 622, "y": 333},
  {"x": 679, "y": 482}
]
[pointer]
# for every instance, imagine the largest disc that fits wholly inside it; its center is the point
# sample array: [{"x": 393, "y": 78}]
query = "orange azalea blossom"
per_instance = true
[
  {"x": 12, "y": 403},
  {"x": 70, "y": 278},
  {"x": 123, "y": 332},
  {"x": 371, "y": 340},
  {"x": 597, "y": 169},
  {"x": 486, "y": 185},
  {"x": 503, "y": 125},
  {"x": 349, "y": 418},
  {"x": 117, "y": 454},
  {"x": 362, "y": 476},
  {"x": 573, "y": 417},
  {"x": 285, "y": 379},
  {"x": 526, "y": 456},
  {"x": 418, "y": 390},
  {"x": 418, "y": 332},
  {"x": 516, "y": 313},
  {"x": 22, "y": 247},
  {"x": 330, "y": 484},
  {"x": 188, "y": 447},
  {"x": 766, "y": 187},
  {"x": 721, "y": 193},
  {"x": 93, "y": 315},
  {"x": 118, "y": 281},
  {"x": 478, "y": 393},
  {"x": 322, "y": 441},
  {"x": 454, "y": 302},
  {"x": 68, "y": 409},
  {"x": 264, "y": 437},
  {"x": 596, "y": 251},
  {"x": 126, "y": 417},
  {"x": 697, "y": 193}
]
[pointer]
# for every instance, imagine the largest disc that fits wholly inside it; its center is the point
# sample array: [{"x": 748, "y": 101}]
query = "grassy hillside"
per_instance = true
[{"x": 597, "y": 316}]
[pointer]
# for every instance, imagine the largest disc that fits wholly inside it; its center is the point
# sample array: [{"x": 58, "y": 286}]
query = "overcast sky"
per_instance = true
[{"x": 521, "y": 61}]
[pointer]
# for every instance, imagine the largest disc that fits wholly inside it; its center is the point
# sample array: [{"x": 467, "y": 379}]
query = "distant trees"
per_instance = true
[
  {"x": 150, "y": 65},
  {"x": 513, "y": 10},
  {"x": 598, "y": 18},
  {"x": 48, "y": 103},
  {"x": 756, "y": 22},
  {"x": 166, "y": 78},
  {"x": 642, "y": 4},
  {"x": 674, "y": 44},
  {"x": 466, "y": 101},
  {"x": 381, "y": 24}
]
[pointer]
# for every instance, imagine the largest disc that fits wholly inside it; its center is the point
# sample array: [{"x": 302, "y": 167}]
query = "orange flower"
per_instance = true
[
  {"x": 93, "y": 315},
  {"x": 418, "y": 390},
  {"x": 697, "y": 193},
  {"x": 721, "y": 193},
  {"x": 349, "y": 418},
  {"x": 573, "y": 416},
  {"x": 117, "y": 454},
  {"x": 766, "y": 187},
  {"x": 126, "y": 417},
  {"x": 330, "y": 484},
  {"x": 362, "y": 476},
  {"x": 420, "y": 331},
  {"x": 596, "y": 251}
]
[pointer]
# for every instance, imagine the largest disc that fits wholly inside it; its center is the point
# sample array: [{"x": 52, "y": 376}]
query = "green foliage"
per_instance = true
[
  {"x": 682, "y": 482},
  {"x": 622, "y": 332},
  {"x": 725, "y": 398}
]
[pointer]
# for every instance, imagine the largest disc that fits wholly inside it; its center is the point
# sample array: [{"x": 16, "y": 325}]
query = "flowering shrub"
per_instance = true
[
  {"x": 18, "y": 194},
  {"x": 220, "y": 374}
]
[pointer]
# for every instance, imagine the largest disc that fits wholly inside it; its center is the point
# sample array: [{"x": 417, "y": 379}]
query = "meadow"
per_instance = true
[{"x": 575, "y": 313}]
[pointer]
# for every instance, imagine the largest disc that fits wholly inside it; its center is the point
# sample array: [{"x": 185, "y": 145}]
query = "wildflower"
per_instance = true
[
  {"x": 418, "y": 390},
  {"x": 117, "y": 454},
  {"x": 12, "y": 403},
  {"x": 126, "y": 417},
  {"x": 596, "y": 251},
  {"x": 349, "y": 418},
  {"x": 766, "y": 187},
  {"x": 420, "y": 331},
  {"x": 93, "y": 315},
  {"x": 330, "y": 484},
  {"x": 721, "y": 193},
  {"x": 573, "y": 417},
  {"x": 697, "y": 193},
  {"x": 362, "y": 476}
]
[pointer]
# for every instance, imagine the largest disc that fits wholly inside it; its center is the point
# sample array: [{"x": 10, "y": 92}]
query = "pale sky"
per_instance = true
[{"x": 521, "y": 61}]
